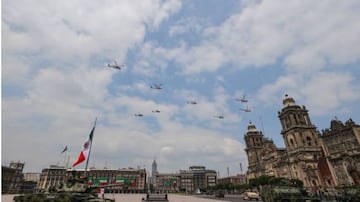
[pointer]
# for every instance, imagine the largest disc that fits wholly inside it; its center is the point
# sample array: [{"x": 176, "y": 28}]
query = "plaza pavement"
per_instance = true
[{"x": 138, "y": 197}]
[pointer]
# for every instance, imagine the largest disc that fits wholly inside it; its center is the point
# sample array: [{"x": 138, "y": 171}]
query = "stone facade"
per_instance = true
[
  {"x": 129, "y": 180},
  {"x": 319, "y": 160},
  {"x": 302, "y": 142},
  {"x": 12, "y": 177},
  {"x": 54, "y": 175},
  {"x": 341, "y": 144},
  {"x": 167, "y": 182}
]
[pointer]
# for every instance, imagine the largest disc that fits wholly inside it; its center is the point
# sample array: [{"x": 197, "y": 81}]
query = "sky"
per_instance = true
[{"x": 56, "y": 80}]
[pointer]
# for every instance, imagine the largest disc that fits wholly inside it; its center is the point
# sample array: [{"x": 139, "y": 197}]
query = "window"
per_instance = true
[
  {"x": 292, "y": 142},
  {"x": 287, "y": 122},
  {"x": 307, "y": 122},
  {"x": 308, "y": 141},
  {"x": 296, "y": 119}
]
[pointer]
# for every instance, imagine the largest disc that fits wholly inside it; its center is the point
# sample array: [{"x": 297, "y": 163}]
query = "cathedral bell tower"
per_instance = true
[
  {"x": 302, "y": 142},
  {"x": 254, "y": 146}
]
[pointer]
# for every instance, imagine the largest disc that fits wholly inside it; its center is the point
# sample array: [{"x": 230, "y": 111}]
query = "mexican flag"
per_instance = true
[
  {"x": 103, "y": 181},
  {"x": 84, "y": 154},
  {"x": 119, "y": 181}
]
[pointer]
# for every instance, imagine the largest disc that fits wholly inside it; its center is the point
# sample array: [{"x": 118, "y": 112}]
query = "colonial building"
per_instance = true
[
  {"x": 129, "y": 180},
  {"x": 326, "y": 160},
  {"x": 341, "y": 144},
  {"x": 203, "y": 178},
  {"x": 12, "y": 177},
  {"x": 235, "y": 180},
  {"x": 186, "y": 181},
  {"x": 197, "y": 177},
  {"x": 167, "y": 182},
  {"x": 126, "y": 179},
  {"x": 54, "y": 175}
]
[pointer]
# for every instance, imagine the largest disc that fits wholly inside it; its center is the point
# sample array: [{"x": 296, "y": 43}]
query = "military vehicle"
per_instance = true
[
  {"x": 285, "y": 191},
  {"x": 74, "y": 190},
  {"x": 155, "y": 198},
  {"x": 220, "y": 194},
  {"x": 348, "y": 193}
]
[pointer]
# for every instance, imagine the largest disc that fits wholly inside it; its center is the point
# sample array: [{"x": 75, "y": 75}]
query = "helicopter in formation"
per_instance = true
[
  {"x": 156, "y": 86},
  {"x": 219, "y": 116},
  {"x": 243, "y": 99},
  {"x": 115, "y": 65},
  {"x": 192, "y": 102},
  {"x": 247, "y": 109},
  {"x": 140, "y": 115},
  {"x": 155, "y": 111}
]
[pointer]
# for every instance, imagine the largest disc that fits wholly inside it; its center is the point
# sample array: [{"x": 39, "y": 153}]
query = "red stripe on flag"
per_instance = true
[{"x": 81, "y": 158}]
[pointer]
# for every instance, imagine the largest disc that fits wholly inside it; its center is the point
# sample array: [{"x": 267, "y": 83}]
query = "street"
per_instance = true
[
  {"x": 172, "y": 198},
  {"x": 230, "y": 197}
]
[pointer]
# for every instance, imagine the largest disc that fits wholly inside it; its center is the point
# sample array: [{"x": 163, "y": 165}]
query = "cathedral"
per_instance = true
[{"x": 327, "y": 159}]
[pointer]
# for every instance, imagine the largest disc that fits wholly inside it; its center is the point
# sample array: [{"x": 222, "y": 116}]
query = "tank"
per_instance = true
[
  {"x": 348, "y": 193},
  {"x": 285, "y": 191},
  {"x": 155, "y": 198},
  {"x": 75, "y": 189}
]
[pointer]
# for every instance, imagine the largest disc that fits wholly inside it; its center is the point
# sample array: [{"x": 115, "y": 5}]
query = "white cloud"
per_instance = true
[
  {"x": 186, "y": 25},
  {"x": 270, "y": 93},
  {"x": 305, "y": 35},
  {"x": 231, "y": 147},
  {"x": 203, "y": 58},
  {"x": 322, "y": 92},
  {"x": 84, "y": 27},
  {"x": 14, "y": 69},
  {"x": 325, "y": 92}
]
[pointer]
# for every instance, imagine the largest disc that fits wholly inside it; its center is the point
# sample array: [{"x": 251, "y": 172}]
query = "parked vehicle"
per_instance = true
[
  {"x": 220, "y": 194},
  {"x": 251, "y": 195}
]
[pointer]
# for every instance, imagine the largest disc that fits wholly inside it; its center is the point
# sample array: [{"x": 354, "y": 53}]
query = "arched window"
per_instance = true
[
  {"x": 308, "y": 141},
  {"x": 292, "y": 142}
]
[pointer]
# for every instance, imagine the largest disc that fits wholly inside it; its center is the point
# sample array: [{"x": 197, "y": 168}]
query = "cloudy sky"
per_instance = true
[{"x": 56, "y": 79}]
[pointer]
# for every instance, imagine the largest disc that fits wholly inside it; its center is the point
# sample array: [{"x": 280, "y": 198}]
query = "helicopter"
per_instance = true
[
  {"x": 140, "y": 115},
  {"x": 191, "y": 102},
  {"x": 115, "y": 65},
  {"x": 156, "y": 111},
  {"x": 219, "y": 116},
  {"x": 156, "y": 86},
  {"x": 243, "y": 99},
  {"x": 247, "y": 109}
]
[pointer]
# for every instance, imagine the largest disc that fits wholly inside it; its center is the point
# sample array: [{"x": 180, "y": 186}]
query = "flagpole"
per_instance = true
[
  {"x": 65, "y": 158},
  {"x": 67, "y": 162},
  {"x": 64, "y": 151},
  {"x": 87, "y": 160}
]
